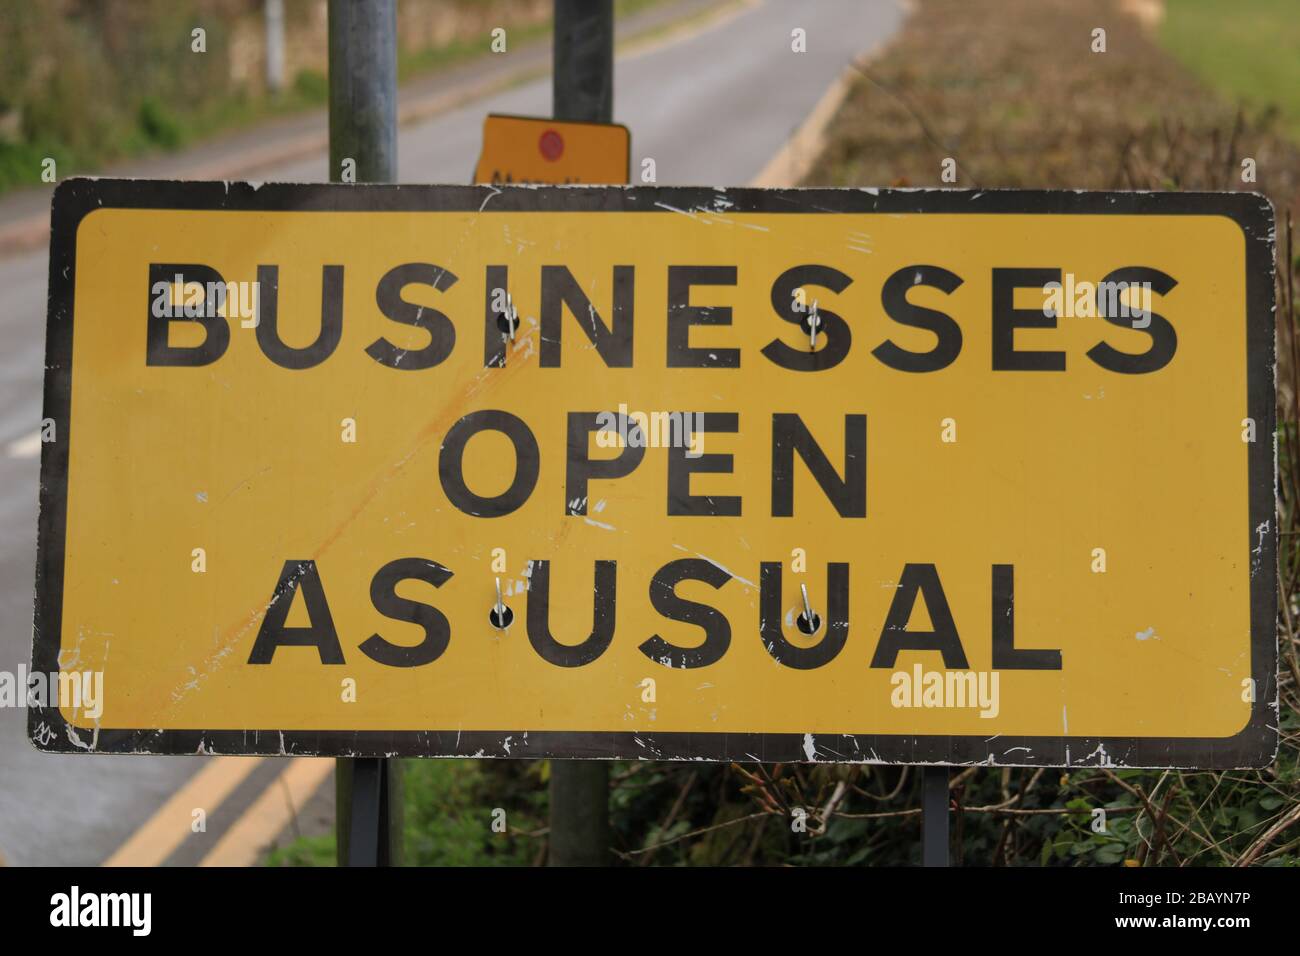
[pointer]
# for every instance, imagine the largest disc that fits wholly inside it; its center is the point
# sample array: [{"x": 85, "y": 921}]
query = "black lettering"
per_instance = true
[
  {"x": 893, "y": 296},
  {"x": 579, "y": 469},
  {"x": 451, "y": 460},
  {"x": 789, "y": 434},
  {"x": 682, "y": 315},
  {"x": 216, "y": 332},
  {"x": 383, "y": 595},
  {"x": 612, "y": 342},
  {"x": 494, "y": 340},
  {"x": 836, "y": 619},
  {"x": 295, "y": 576},
  {"x": 922, "y": 579},
  {"x": 331, "y": 319},
  {"x": 717, "y": 630},
  {"x": 681, "y": 466},
  {"x": 1006, "y": 656},
  {"x": 603, "y": 616},
  {"x": 1164, "y": 340},
  {"x": 1007, "y": 318},
  {"x": 833, "y": 330},
  {"x": 388, "y": 296}
]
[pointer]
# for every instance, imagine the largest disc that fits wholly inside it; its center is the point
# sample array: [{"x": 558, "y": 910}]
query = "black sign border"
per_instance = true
[{"x": 1254, "y": 746}]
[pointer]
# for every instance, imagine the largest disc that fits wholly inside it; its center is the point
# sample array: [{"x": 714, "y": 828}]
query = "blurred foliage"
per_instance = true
[
  {"x": 312, "y": 86},
  {"x": 450, "y": 807},
  {"x": 87, "y": 82},
  {"x": 1034, "y": 107},
  {"x": 84, "y": 82},
  {"x": 1248, "y": 48}
]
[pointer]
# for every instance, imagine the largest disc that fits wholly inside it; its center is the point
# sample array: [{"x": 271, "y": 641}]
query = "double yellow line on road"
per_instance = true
[{"x": 243, "y": 842}]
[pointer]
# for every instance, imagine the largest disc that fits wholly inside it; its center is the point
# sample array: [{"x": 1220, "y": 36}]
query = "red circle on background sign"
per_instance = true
[{"x": 551, "y": 145}]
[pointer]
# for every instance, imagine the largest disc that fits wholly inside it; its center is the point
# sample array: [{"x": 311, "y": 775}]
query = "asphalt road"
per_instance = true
[{"x": 711, "y": 108}]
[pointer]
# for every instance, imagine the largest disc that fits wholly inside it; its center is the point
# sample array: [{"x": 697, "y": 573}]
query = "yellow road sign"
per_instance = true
[
  {"x": 526, "y": 149},
  {"x": 666, "y": 473}
]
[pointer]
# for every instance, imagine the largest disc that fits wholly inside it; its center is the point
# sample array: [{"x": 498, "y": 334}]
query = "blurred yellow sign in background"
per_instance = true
[{"x": 525, "y": 149}]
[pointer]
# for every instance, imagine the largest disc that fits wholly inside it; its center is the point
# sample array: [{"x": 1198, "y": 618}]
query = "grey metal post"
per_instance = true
[
  {"x": 363, "y": 148},
  {"x": 274, "y": 10},
  {"x": 579, "y": 813},
  {"x": 582, "y": 89},
  {"x": 363, "y": 89},
  {"x": 934, "y": 816}
]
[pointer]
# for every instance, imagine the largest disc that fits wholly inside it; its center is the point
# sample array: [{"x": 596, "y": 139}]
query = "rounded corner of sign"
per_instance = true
[
  {"x": 43, "y": 747},
  {"x": 74, "y": 200},
  {"x": 1251, "y": 212},
  {"x": 69, "y": 190},
  {"x": 1257, "y": 751},
  {"x": 1254, "y": 746},
  {"x": 43, "y": 737},
  {"x": 1258, "y": 202}
]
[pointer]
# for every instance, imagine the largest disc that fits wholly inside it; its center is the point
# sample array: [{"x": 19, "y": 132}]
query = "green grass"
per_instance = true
[
  {"x": 1249, "y": 50},
  {"x": 624, "y": 7},
  {"x": 154, "y": 126},
  {"x": 460, "y": 51}
]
